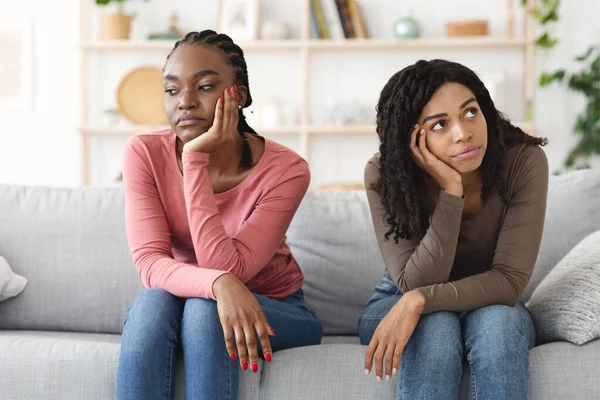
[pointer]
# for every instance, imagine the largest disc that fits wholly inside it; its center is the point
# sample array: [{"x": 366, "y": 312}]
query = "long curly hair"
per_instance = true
[
  {"x": 235, "y": 57},
  {"x": 400, "y": 104}
]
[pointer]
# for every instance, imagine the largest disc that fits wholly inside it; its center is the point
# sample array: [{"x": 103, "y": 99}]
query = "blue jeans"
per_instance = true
[
  {"x": 495, "y": 341},
  {"x": 158, "y": 322}
]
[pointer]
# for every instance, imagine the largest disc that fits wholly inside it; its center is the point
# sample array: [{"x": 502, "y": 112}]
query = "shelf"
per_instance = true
[
  {"x": 167, "y": 45},
  {"x": 315, "y": 44},
  {"x": 377, "y": 44}
]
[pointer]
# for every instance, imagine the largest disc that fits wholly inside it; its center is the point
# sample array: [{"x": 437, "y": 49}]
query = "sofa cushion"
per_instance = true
[
  {"x": 74, "y": 366},
  {"x": 11, "y": 284},
  {"x": 332, "y": 238},
  {"x": 566, "y": 304},
  {"x": 571, "y": 214},
  {"x": 70, "y": 243}
]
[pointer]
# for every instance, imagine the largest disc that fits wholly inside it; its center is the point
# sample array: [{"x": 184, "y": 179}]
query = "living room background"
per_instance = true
[{"x": 40, "y": 142}]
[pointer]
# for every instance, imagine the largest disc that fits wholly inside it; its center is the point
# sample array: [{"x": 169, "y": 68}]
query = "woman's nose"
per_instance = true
[{"x": 187, "y": 100}]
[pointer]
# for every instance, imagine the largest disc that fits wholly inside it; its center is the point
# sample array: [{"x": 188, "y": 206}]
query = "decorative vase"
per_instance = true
[
  {"x": 115, "y": 26},
  {"x": 406, "y": 27}
]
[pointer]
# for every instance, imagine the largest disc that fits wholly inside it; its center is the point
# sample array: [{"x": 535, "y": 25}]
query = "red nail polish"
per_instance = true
[
  {"x": 254, "y": 367},
  {"x": 234, "y": 88},
  {"x": 227, "y": 91},
  {"x": 233, "y": 356},
  {"x": 272, "y": 331},
  {"x": 268, "y": 357},
  {"x": 245, "y": 365},
  {"x": 221, "y": 99}
]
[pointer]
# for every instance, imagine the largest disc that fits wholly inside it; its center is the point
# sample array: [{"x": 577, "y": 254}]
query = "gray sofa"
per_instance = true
[{"x": 60, "y": 338}]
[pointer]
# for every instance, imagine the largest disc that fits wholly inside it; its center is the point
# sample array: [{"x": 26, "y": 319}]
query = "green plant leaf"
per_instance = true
[
  {"x": 546, "y": 78},
  {"x": 103, "y": 2},
  {"x": 586, "y": 55},
  {"x": 546, "y": 41},
  {"x": 523, "y": 2}
]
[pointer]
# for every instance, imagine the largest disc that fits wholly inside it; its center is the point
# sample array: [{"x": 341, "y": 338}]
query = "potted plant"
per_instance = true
[{"x": 116, "y": 25}]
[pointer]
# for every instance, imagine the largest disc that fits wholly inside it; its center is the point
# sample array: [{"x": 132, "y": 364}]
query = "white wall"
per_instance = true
[{"x": 42, "y": 146}]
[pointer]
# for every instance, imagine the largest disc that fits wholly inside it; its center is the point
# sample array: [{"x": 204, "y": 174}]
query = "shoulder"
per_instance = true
[
  {"x": 285, "y": 163},
  {"x": 372, "y": 170},
  {"x": 527, "y": 167},
  {"x": 146, "y": 142}
]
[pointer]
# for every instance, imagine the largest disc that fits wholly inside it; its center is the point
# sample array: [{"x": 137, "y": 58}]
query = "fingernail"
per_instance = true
[
  {"x": 394, "y": 371},
  {"x": 232, "y": 356},
  {"x": 367, "y": 372},
  {"x": 227, "y": 91},
  {"x": 272, "y": 331},
  {"x": 234, "y": 88},
  {"x": 254, "y": 367},
  {"x": 387, "y": 377},
  {"x": 268, "y": 357},
  {"x": 378, "y": 379},
  {"x": 415, "y": 126},
  {"x": 422, "y": 131},
  {"x": 221, "y": 99},
  {"x": 245, "y": 365}
]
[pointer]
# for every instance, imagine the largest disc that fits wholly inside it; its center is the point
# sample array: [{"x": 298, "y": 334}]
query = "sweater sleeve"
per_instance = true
[
  {"x": 516, "y": 249},
  {"x": 417, "y": 262},
  {"x": 257, "y": 239},
  {"x": 149, "y": 236}
]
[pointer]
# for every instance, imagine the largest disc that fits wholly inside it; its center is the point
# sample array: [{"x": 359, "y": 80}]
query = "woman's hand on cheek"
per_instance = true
[
  {"x": 447, "y": 177},
  {"x": 224, "y": 127},
  {"x": 392, "y": 335}
]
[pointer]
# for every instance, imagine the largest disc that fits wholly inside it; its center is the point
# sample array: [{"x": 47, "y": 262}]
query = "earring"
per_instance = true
[{"x": 239, "y": 106}]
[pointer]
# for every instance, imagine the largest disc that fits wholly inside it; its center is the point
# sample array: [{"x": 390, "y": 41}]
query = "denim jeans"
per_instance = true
[
  {"x": 495, "y": 341},
  {"x": 158, "y": 322}
]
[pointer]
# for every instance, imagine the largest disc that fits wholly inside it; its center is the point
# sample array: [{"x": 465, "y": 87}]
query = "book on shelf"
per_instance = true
[{"x": 337, "y": 19}]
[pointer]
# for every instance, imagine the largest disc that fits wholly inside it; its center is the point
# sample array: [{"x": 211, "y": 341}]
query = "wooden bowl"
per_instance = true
[
  {"x": 141, "y": 96},
  {"x": 467, "y": 28}
]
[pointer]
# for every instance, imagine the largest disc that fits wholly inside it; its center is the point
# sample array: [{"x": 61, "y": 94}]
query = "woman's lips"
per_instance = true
[
  {"x": 188, "y": 121},
  {"x": 470, "y": 153}
]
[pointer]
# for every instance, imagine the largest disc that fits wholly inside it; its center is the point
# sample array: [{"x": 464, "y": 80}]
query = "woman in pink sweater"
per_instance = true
[{"x": 208, "y": 203}]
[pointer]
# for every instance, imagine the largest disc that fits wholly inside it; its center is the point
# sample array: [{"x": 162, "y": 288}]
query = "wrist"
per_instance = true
[
  {"x": 220, "y": 284},
  {"x": 416, "y": 300},
  {"x": 454, "y": 189}
]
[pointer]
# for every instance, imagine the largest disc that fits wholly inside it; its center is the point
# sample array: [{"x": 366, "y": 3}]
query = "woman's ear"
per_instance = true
[{"x": 242, "y": 95}]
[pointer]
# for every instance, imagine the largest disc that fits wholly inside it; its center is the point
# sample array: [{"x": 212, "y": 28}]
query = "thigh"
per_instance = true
[
  {"x": 294, "y": 323},
  {"x": 501, "y": 324}
]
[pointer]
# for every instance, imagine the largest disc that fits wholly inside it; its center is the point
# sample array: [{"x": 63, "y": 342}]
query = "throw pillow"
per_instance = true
[
  {"x": 11, "y": 284},
  {"x": 566, "y": 304}
]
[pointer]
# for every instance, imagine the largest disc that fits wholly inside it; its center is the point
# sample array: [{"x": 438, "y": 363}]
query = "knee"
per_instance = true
[
  {"x": 497, "y": 330},
  {"x": 200, "y": 315},
  {"x": 438, "y": 339},
  {"x": 154, "y": 315}
]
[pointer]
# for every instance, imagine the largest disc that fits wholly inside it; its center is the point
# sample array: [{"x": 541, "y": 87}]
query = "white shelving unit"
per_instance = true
[{"x": 306, "y": 47}]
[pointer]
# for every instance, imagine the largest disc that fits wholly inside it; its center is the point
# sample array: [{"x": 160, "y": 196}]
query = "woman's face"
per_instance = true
[
  {"x": 456, "y": 128},
  {"x": 194, "y": 78}
]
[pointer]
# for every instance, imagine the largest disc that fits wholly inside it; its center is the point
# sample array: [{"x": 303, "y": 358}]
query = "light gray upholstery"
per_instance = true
[{"x": 70, "y": 244}]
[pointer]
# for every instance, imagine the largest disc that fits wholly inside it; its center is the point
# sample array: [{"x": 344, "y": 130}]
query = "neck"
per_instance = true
[
  {"x": 471, "y": 178},
  {"x": 226, "y": 158}
]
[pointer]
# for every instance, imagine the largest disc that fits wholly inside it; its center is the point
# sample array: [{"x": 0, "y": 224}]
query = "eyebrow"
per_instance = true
[
  {"x": 197, "y": 75},
  {"x": 434, "y": 116}
]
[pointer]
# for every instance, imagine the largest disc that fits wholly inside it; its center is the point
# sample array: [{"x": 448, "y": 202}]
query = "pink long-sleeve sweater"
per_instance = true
[{"x": 182, "y": 236}]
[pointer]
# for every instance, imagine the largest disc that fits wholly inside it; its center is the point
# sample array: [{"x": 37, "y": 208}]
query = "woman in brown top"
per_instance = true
[{"x": 458, "y": 197}]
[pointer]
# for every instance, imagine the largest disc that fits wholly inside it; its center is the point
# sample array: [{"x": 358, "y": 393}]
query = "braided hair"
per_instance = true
[
  {"x": 400, "y": 105},
  {"x": 235, "y": 57}
]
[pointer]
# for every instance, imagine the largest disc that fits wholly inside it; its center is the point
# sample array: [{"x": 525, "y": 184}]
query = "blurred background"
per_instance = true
[{"x": 78, "y": 77}]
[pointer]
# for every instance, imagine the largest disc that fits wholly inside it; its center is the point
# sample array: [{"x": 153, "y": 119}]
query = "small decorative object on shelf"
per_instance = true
[
  {"x": 351, "y": 112},
  {"x": 141, "y": 96},
  {"x": 275, "y": 30},
  {"x": 406, "y": 27},
  {"x": 174, "y": 31},
  {"x": 238, "y": 19},
  {"x": 115, "y": 26},
  {"x": 112, "y": 117},
  {"x": 467, "y": 28}
]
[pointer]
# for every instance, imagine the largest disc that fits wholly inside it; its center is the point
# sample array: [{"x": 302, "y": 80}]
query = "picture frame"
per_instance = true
[
  {"x": 238, "y": 19},
  {"x": 16, "y": 70}
]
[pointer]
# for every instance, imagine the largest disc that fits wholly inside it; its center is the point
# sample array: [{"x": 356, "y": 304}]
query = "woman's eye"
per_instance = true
[
  {"x": 171, "y": 91},
  {"x": 471, "y": 113},
  {"x": 438, "y": 125},
  {"x": 206, "y": 87}
]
